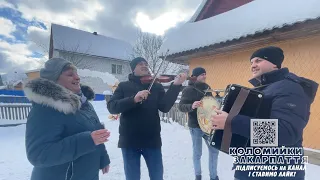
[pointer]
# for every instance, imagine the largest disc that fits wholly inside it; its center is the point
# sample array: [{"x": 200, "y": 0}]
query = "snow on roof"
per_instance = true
[
  {"x": 70, "y": 39},
  {"x": 105, "y": 76},
  {"x": 198, "y": 11},
  {"x": 17, "y": 82},
  {"x": 13, "y": 76},
  {"x": 256, "y": 16},
  {"x": 33, "y": 70}
]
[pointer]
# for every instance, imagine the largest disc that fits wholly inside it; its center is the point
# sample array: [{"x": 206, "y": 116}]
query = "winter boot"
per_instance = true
[{"x": 198, "y": 177}]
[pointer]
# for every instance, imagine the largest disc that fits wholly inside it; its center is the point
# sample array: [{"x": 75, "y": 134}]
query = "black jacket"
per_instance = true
[
  {"x": 140, "y": 123},
  {"x": 287, "y": 98},
  {"x": 193, "y": 92}
]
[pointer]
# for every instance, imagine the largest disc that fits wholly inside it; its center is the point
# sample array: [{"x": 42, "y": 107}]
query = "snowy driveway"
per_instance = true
[{"x": 177, "y": 155}]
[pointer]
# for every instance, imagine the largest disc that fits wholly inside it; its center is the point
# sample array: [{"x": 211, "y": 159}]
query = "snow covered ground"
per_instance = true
[{"x": 177, "y": 154}]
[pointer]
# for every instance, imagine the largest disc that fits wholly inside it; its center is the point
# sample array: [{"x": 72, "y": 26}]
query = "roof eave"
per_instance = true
[{"x": 298, "y": 30}]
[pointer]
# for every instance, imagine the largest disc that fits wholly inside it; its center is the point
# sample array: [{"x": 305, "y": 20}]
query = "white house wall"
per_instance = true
[{"x": 99, "y": 64}]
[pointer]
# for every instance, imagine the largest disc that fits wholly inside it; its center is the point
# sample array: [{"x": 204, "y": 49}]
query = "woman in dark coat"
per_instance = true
[{"x": 64, "y": 137}]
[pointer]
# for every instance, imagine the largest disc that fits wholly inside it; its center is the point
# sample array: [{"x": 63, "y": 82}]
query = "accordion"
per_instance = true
[{"x": 237, "y": 100}]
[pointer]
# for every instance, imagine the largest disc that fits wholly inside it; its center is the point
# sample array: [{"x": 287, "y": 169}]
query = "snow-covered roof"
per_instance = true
[
  {"x": 70, "y": 39},
  {"x": 33, "y": 70},
  {"x": 17, "y": 82},
  {"x": 256, "y": 16}
]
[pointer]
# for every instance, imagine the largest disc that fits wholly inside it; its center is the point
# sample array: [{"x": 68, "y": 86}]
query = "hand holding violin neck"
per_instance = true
[{"x": 180, "y": 79}]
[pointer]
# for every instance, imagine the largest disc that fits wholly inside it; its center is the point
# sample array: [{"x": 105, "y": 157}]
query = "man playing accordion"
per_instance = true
[{"x": 287, "y": 98}]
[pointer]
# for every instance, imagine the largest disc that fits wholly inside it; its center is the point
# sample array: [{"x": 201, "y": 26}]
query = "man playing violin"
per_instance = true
[
  {"x": 190, "y": 101},
  {"x": 139, "y": 121}
]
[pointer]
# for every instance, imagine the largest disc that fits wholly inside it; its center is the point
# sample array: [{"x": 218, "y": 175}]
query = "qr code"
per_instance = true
[{"x": 264, "y": 132}]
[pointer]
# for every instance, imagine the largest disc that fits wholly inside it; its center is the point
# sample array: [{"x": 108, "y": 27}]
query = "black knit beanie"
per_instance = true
[
  {"x": 198, "y": 71},
  {"x": 135, "y": 61},
  {"x": 272, "y": 54}
]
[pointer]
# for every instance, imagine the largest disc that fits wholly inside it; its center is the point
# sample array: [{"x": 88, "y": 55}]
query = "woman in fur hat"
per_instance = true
[{"x": 64, "y": 137}]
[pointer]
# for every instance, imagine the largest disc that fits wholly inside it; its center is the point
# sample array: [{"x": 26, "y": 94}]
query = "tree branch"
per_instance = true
[{"x": 148, "y": 46}]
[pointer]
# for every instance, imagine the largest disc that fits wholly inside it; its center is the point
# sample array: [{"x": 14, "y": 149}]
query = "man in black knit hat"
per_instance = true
[
  {"x": 287, "y": 98},
  {"x": 139, "y": 121},
  {"x": 189, "y": 102}
]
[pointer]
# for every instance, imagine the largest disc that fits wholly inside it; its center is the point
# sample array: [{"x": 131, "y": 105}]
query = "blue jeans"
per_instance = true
[
  {"x": 131, "y": 160},
  {"x": 196, "y": 135}
]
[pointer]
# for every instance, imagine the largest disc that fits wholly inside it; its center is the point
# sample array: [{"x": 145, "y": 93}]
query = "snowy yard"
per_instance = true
[{"x": 177, "y": 154}]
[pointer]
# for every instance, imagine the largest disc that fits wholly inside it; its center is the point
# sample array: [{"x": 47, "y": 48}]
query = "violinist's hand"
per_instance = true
[
  {"x": 180, "y": 79},
  {"x": 141, "y": 95}
]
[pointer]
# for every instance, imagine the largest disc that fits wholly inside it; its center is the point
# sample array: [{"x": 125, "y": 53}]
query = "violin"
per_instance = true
[{"x": 161, "y": 79}]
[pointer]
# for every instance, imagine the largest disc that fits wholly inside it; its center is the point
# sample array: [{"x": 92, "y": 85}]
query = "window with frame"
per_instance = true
[{"x": 116, "y": 69}]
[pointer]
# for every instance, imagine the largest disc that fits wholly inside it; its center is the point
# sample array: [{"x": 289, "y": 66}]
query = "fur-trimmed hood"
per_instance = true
[{"x": 48, "y": 93}]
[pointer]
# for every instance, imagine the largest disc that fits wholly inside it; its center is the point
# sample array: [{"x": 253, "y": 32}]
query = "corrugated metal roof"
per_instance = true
[
  {"x": 75, "y": 40},
  {"x": 254, "y": 17}
]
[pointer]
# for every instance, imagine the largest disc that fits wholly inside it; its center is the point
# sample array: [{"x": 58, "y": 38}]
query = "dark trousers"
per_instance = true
[{"x": 131, "y": 160}]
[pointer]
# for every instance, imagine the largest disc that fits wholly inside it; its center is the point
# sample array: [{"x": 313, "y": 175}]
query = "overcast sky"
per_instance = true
[{"x": 25, "y": 24}]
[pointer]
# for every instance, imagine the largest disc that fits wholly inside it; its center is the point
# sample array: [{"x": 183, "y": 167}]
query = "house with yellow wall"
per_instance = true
[
  {"x": 222, "y": 35},
  {"x": 33, "y": 74}
]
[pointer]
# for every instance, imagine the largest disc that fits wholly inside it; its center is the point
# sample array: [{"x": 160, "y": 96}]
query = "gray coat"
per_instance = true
[{"x": 58, "y": 134}]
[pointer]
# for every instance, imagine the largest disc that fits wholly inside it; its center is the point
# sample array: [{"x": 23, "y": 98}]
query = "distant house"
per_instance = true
[
  {"x": 91, "y": 50},
  {"x": 18, "y": 85},
  {"x": 32, "y": 74},
  {"x": 222, "y": 35}
]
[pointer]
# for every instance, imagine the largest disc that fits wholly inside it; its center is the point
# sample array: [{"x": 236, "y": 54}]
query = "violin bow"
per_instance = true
[{"x": 155, "y": 76}]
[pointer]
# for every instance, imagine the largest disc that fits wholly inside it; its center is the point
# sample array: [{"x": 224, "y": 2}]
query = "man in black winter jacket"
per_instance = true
[
  {"x": 287, "y": 98},
  {"x": 140, "y": 122},
  {"x": 189, "y": 102}
]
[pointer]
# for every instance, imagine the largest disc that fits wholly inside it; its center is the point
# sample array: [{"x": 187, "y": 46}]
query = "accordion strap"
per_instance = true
[{"x": 227, "y": 134}]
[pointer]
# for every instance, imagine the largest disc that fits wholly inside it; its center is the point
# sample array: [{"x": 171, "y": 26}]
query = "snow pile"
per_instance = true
[
  {"x": 3, "y": 87},
  {"x": 4, "y": 122},
  {"x": 107, "y": 92},
  {"x": 248, "y": 19},
  {"x": 176, "y": 151},
  {"x": 105, "y": 76},
  {"x": 13, "y": 77}
]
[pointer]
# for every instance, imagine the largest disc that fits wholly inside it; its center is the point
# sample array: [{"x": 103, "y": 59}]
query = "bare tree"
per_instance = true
[
  {"x": 75, "y": 55},
  {"x": 148, "y": 46},
  {"x": 72, "y": 54}
]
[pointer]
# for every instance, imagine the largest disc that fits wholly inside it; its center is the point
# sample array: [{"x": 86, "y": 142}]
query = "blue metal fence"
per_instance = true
[
  {"x": 17, "y": 96},
  {"x": 99, "y": 97},
  {"x": 12, "y": 92}
]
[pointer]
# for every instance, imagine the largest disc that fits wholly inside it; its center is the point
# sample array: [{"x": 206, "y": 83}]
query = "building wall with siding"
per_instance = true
[
  {"x": 99, "y": 64},
  {"x": 302, "y": 57}
]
